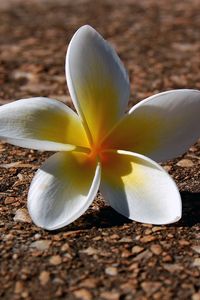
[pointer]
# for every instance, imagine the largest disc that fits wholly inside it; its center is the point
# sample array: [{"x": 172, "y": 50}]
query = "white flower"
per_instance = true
[{"x": 101, "y": 143}]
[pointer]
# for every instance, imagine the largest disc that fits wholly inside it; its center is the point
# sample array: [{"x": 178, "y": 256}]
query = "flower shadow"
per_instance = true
[{"x": 191, "y": 210}]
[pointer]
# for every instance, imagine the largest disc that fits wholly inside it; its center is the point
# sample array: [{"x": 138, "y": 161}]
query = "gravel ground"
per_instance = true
[{"x": 102, "y": 255}]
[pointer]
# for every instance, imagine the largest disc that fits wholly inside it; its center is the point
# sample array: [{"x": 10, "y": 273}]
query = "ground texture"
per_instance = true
[{"x": 102, "y": 255}]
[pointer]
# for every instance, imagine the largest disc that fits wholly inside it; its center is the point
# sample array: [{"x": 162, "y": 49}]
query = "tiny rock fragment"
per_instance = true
[
  {"x": 143, "y": 255},
  {"x": 183, "y": 242},
  {"x": 110, "y": 295},
  {"x": 172, "y": 267},
  {"x": 196, "y": 262},
  {"x": 112, "y": 271},
  {"x": 41, "y": 245},
  {"x": 89, "y": 251},
  {"x": 185, "y": 163},
  {"x": 137, "y": 249},
  {"x": 126, "y": 240},
  {"x": 44, "y": 277},
  {"x": 114, "y": 236},
  {"x": 150, "y": 287},
  {"x": 147, "y": 239},
  {"x": 167, "y": 258},
  {"x": 156, "y": 249},
  {"x": 22, "y": 215},
  {"x": 65, "y": 247},
  {"x": 89, "y": 283},
  {"x": 126, "y": 253},
  {"x": 19, "y": 286},
  {"x": 55, "y": 260},
  {"x": 167, "y": 168},
  {"x": 196, "y": 296},
  {"x": 83, "y": 294},
  {"x": 10, "y": 200},
  {"x": 196, "y": 249},
  {"x": 158, "y": 228}
]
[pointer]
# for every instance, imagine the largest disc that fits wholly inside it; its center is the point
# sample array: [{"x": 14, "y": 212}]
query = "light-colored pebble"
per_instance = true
[{"x": 22, "y": 215}]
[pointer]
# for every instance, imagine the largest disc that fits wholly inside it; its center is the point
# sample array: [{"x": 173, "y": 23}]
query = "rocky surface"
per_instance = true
[{"x": 102, "y": 255}]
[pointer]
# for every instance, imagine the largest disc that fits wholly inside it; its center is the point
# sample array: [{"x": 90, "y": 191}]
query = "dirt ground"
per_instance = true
[{"x": 102, "y": 255}]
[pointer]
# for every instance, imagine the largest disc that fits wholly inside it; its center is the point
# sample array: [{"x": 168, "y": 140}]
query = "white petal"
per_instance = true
[
  {"x": 97, "y": 81},
  {"x": 161, "y": 127},
  {"x": 139, "y": 188},
  {"x": 41, "y": 123},
  {"x": 62, "y": 189}
]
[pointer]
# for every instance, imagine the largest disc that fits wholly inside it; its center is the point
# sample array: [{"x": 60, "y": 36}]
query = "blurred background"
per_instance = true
[{"x": 158, "y": 41}]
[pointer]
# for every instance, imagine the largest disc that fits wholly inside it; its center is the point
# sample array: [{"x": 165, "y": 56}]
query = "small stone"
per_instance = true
[
  {"x": 114, "y": 236},
  {"x": 137, "y": 249},
  {"x": 158, "y": 228},
  {"x": 37, "y": 236},
  {"x": 65, "y": 247},
  {"x": 185, "y": 163},
  {"x": 44, "y": 277},
  {"x": 112, "y": 271},
  {"x": 167, "y": 168},
  {"x": 196, "y": 296},
  {"x": 9, "y": 200},
  {"x": 143, "y": 255},
  {"x": 126, "y": 253},
  {"x": 41, "y": 245},
  {"x": 173, "y": 267},
  {"x": 55, "y": 260},
  {"x": 126, "y": 240},
  {"x": 89, "y": 283},
  {"x": 196, "y": 249},
  {"x": 150, "y": 287},
  {"x": 147, "y": 239},
  {"x": 22, "y": 215},
  {"x": 156, "y": 249},
  {"x": 110, "y": 295},
  {"x": 19, "y": 286},
  {"x": 89, "y": 251},
  {"x": 196, "y": 262},
  {"x": 167, "y": 258},
  {"x": 183, "y": 243},
  {"x": 83, "y": 294}
]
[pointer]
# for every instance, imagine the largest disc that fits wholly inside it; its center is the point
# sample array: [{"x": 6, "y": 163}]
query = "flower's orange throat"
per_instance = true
[{"x": 97, "y": 152}]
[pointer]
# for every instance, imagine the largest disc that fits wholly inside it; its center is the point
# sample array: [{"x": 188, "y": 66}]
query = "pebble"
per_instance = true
[
  {"x": 44, "y": 277},
  {"x": 9, "y": 200},
  {"x": 137, "y": 249},
  {"x": 196, "y": 296},
  {"x": 167, "y": 168},
  {"x": 183, "y": 242},
  {"x": 65, "y": 247},
  {"x": 41, "y": 245},
  {"x": 19, "y": 286},
  {"x": 89, "y": 251},
  {"x": 172, "y": 267},
  {"x": 83, "y": 294},
  {"x": 147, "y": 239},
  {"x": 196, "y": 249},
  {"x": 167, "y": 258},
  {"x": 126, "y": 240},
  {"x": 112, "y": 271},
  {"x": 150, "y": 287},
  {"x": 185, "y": 163},
  {"x": 110, "y": 295},
  {"x": 55, "y": 260},
  {"x": 22, "y": 215},
  {"x": 196, "y": 262},
  {"x": 89, "y": 283},
  {"x": 156, "y": 249}
]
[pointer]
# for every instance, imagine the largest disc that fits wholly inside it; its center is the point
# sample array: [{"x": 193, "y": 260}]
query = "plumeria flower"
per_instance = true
[{"x": 101, "y": 147}]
